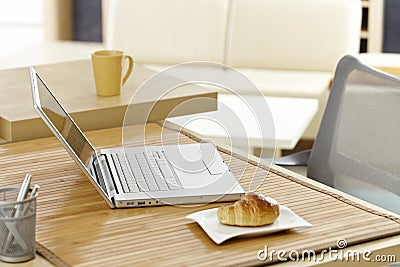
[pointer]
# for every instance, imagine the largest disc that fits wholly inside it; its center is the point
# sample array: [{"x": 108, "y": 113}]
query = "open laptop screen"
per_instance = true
[
  {"x": 68, "y": 133},
  {"x": 64, "y": 124}
]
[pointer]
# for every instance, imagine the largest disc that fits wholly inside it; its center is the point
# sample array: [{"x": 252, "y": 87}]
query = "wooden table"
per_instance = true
[
  {"x": 73, "y": 84},
  {"x": 76, "y": 227}
]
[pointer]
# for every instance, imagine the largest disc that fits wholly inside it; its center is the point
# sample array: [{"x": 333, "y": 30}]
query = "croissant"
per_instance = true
[{"x": 252, "y": 210}]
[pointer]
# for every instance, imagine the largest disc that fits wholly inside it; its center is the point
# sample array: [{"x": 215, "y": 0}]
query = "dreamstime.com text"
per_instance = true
[{"x": 329, "y": 254}]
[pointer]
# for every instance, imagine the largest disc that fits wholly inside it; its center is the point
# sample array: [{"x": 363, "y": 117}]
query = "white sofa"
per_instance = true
[{"x": 286, "y": 47}]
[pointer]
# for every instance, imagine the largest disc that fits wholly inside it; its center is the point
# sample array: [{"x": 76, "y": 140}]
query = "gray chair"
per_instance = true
[{"x": 357, "y": 149}]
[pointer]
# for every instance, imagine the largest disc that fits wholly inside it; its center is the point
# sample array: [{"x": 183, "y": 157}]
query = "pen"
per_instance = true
[
  {"x": 34, "y": 193},
  {"x": 21, "y": 196},
  {"x": 24, "y": 188}
]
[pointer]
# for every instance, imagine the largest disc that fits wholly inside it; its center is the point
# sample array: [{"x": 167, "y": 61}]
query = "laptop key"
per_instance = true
[
  {"x": 160, "y": 180},
  {"x": 152, "y": 186},
  {"x": 143, "y": 186},
  {"x": 148, "y": 172},
  {"x": 163, "y": 187},
  {"x": 121, "y": 174},
  {"x": 166, "y": 171},
  {"x": 133, "y": 188}
]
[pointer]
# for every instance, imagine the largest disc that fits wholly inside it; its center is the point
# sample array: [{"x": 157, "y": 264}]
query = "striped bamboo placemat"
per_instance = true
[{"x": 76, "y": 228}]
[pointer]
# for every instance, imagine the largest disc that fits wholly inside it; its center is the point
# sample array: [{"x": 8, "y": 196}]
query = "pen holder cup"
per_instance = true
[{"x": 17, "y": 226}]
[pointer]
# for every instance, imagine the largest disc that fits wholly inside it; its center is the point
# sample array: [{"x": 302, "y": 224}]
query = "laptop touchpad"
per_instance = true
[
  {"x": 215, "y": 168},
  {"x": 189, "y": 166}
]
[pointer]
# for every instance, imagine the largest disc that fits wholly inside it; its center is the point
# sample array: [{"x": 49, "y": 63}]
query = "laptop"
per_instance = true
[{"x": 140, "y": 176}]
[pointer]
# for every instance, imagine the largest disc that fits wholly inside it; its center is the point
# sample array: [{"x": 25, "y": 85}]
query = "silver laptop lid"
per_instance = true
[{"x": 66, "y": 130}]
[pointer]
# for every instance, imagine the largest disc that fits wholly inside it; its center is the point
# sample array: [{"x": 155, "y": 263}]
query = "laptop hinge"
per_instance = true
[{"x": 107, "y": 178}]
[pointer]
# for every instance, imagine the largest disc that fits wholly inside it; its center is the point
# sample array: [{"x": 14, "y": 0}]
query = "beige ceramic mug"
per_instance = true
[{"x": 108, "y": 68}]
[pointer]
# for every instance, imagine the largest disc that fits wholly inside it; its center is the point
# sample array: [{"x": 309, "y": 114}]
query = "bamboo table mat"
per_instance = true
[{"x": 75, "y": 227}]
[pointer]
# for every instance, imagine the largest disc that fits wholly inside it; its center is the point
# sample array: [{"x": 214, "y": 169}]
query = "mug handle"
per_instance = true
[{"x": 128, "y": 72}]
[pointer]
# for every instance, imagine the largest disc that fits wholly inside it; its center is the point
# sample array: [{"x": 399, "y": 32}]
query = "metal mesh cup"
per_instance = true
[{"x": 17, "y": 226}]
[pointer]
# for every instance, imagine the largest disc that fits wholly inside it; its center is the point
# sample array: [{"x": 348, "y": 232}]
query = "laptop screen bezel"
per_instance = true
[{"x": 84, "y": 167}]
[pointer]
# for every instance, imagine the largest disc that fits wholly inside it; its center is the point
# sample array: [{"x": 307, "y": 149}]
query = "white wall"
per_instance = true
[{"x": 21, "y": 24}]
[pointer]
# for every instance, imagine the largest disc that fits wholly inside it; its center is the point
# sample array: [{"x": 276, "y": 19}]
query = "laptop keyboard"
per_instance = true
[{"x": 149, "y": 171}]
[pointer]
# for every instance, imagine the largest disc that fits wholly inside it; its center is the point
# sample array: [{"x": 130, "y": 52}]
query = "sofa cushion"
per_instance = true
[
  {"x": 170, "y": 32},
  {"x": 285, "y": 83},
  {"x": 292, "y": 34}
]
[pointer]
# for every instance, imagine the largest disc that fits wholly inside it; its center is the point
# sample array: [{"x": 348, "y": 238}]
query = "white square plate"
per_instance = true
[{"x": 219, "y": 232}]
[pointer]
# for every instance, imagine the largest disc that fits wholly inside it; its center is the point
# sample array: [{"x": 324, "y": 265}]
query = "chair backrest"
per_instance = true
[{"x": 357, "y": 149}]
